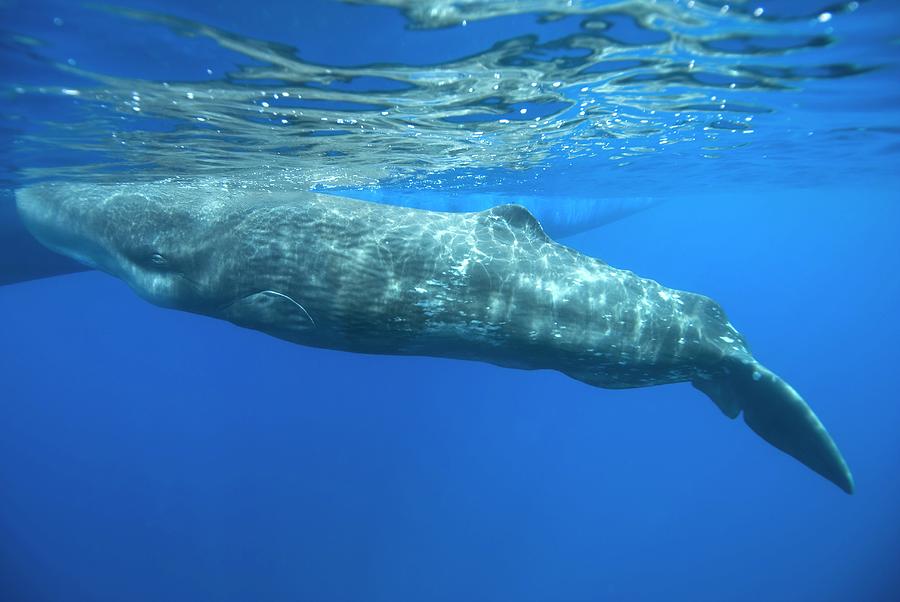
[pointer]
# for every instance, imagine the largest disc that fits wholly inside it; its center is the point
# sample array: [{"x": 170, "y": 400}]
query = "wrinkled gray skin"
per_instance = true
[{"x": 342, "y": 274}]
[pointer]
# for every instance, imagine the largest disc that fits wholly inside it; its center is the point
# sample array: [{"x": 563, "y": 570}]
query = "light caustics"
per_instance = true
[{"x": 607, "y": 81}]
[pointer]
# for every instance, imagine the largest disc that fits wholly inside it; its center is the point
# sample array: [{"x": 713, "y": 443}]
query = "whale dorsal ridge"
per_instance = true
[{"x": 516, "y": 217}]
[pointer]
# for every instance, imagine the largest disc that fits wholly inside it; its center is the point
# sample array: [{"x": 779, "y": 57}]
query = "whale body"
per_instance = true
[{"x": 489, "y": 286}]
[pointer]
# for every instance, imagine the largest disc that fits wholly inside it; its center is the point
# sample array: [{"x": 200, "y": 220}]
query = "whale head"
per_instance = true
[{"x": 160, "y": 248}]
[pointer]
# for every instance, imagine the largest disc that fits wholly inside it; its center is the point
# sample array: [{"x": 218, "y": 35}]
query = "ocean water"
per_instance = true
[{"x": 747, "y": 151}]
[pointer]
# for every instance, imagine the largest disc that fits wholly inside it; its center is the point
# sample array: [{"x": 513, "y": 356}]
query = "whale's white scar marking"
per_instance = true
[{"x": 303, "y": 309}]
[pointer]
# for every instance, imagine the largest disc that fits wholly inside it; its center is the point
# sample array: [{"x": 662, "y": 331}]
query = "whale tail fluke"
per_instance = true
[{"x": 777, "y": 413}]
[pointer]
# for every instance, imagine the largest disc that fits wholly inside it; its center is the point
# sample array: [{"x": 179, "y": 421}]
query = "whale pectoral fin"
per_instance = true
[
  {"x": 777, "y": 413},
  {"x": 271, "y": 312}
]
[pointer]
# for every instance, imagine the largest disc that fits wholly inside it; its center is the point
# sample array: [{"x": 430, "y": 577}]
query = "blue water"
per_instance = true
[{"x": 148, "y": 454}]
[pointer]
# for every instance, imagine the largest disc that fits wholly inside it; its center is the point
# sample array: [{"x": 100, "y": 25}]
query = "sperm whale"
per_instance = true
[{"x": 490, "y": 286}]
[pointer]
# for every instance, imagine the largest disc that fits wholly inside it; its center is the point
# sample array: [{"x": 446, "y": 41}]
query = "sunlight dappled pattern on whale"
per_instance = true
[
  {"x": 490, "y": 286},
  {"x": 560, "y": 216}
]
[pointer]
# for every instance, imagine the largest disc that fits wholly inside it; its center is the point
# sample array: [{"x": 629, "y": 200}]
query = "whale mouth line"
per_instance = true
[{"x": 189, "y": 280}]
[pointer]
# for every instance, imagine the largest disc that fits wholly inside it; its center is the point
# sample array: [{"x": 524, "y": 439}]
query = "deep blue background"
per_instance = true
[{"x": 147, "y": 454}]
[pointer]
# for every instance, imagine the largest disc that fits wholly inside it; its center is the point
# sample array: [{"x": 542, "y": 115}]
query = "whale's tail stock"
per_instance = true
[{"x": 777, "y": 413}]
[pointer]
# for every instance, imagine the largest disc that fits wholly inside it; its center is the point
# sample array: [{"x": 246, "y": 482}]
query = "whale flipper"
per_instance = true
[
  {"x": 778, "y": 414},
  {"x": 262, "y": 309}
]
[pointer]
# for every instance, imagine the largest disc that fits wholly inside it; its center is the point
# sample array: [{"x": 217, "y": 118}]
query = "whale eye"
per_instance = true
[{"x": 158, "y": 259}]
